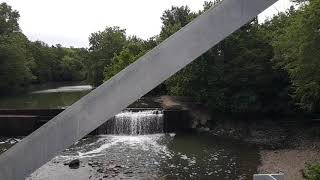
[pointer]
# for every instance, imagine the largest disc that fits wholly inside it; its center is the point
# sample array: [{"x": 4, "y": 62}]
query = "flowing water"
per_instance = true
[
  {"x": 126, "y": 154},
  {"x": 136, "y": 147},
  {"x": 151, "y": 157},
  {"x": 134, "y": 123}
]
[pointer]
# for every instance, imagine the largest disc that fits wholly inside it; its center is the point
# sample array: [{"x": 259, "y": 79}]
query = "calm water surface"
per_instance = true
[
  {"x": 53, "y": 95},
  {"x": 57, "y": 95}
]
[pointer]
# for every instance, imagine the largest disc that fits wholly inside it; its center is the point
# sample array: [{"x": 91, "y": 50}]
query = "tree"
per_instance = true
[
  {"x": 237, "y": 75},
  {"x": 246, "y": 80},
  {"x": 174, "y": 19},
  {"x": 72, "y": 65},
  {"x": 103, "y": 47},
  {"x": 15, "y": 61},
  {"x": 57, "y": 63},
  {"x": 8, "y": 19},
  {"x": 133, "y": 49},
  {"x": 297, "y": 51}
]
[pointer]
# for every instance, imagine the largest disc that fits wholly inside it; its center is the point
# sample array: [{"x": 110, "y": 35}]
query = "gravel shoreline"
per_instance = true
[
  {"x": 291, "y": 162},
  {"x": 283, "y": 149}
]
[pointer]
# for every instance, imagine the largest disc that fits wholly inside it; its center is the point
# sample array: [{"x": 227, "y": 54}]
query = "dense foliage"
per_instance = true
[
  {"x": 312, "y": 172},
  {"x": 57, "y": 63},
  {"x": 23, "y": 62},
  {"x": 15, "y": 62},
  {"x": 133, "y": 49},
  {"x": 297, "y": 50},
  {"x": 103, "y": 47},
  {"x": 237, "y": 75},
  {"x": 269, "y": 67},
  {"x": 262, "y": 67}
]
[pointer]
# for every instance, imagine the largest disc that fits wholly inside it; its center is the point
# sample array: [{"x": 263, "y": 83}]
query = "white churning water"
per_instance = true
[{"x": 136, "y": 122}]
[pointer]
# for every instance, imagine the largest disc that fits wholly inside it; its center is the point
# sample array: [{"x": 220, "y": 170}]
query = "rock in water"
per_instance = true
[{"x": 74, "y": 164}]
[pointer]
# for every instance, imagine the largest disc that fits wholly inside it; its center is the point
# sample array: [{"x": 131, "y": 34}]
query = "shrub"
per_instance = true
[{"x": 313, "y": 172}]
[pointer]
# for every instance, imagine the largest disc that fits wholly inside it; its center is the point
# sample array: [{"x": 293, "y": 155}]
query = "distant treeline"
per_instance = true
[
  {"x": 23, "y": 62},
  {"x": 271, "y": 67}
]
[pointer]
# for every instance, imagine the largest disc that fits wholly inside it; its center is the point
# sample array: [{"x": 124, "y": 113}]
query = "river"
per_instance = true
[
  {"x": 126, "y": 154},
  {"x": 187, "y": 156},
  {"x": 50, "y": 95}
]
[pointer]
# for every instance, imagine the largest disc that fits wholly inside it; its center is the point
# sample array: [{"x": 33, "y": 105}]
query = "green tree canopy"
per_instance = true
[
  {"x": 237, "y": 75},
  {"x": 297, "y": 50},
  {"x": 15, "y": 61},
  {"x": 8, "y": 19},
  {"x": 133, "y": 49},
  {"x": 103, "y": 47}
]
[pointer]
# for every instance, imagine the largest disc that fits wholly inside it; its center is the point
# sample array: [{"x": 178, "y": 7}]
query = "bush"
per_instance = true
[{"x": 313, "y": 172}]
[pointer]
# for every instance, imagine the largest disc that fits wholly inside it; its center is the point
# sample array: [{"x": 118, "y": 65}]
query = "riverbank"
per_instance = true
[
  {"x": 291, "y": 162},
  {"x": 242, "y": 147},
  {"x": 286, "y": 145},
  {"x": 284, "y": 148}
]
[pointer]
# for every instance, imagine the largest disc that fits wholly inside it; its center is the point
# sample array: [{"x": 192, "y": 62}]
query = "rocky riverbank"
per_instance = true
[
  {"x": 284, "y": 147},
  {"x": 292, "y": 162},
  {"x": 287, "y": 145}
]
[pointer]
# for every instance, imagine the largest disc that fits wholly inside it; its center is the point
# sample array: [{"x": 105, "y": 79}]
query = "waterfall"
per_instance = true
[{"x": 136, "y": 122}]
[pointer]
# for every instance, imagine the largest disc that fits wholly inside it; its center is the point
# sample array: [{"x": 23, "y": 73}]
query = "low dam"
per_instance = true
[
  {"x": 137, "y": 143},
  {"x": 145, "y": 141},
  {"x": 136, "y": 122},
  {"x": 21, "y": 122}
]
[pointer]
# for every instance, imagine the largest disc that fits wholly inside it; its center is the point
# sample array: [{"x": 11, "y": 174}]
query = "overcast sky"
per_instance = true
[{"x": 70, "y": 22}]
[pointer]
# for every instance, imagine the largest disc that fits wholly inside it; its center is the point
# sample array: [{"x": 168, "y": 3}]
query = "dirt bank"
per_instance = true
[
  {"x": 174, "y": 102},
  {"x": 283, "y": 148},
  {"x": 291, "y": 162},
  {"x": 198, "y": 114}
]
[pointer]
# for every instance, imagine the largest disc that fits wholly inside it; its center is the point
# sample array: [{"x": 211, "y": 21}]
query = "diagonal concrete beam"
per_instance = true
[{"x": 130, "y": 84}]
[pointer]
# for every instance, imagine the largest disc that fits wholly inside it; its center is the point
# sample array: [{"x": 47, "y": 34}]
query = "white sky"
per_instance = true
[{"x": 70, "y": 22}]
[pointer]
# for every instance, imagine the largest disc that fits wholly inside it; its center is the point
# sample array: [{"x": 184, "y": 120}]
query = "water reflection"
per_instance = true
[
  {"x": 41, "y": 100},
  {"x": 65, "y": 89},
  {"x": 54, "y": 95},
  {"x": 57, "y": 95}
]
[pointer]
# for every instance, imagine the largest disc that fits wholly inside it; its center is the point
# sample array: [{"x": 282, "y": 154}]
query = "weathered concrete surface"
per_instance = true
[
  {"x": 268, "y": 177},
  {"x": 22, "y": 122},
  {"x": 32, "y": 112},
  {"x": 17, "y": 125},
  {"x": 130, "y": 84}
]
